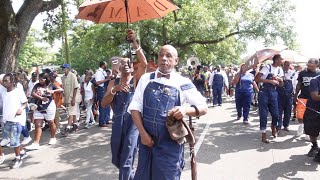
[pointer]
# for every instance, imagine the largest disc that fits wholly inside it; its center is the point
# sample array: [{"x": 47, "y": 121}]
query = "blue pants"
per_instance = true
[
  {"x": 217, "y": 94},
  {"x": 285, "y": 107},
  {"x": 124, "y": 139},
  {"x": 268, "y": 100},
  {"x": 12, "y": 131},
  {"x": 104, "y": 113},
  {"x": 243, "y": 102}
]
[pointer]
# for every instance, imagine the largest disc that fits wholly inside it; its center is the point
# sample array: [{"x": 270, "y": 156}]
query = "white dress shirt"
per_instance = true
[
  {"x": 188, "y": 97},
  {"x": 100, "y": 75}
]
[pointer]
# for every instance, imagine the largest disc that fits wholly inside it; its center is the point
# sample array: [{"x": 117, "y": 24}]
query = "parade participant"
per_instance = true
[
  {"x": 311, "y": 117},
  {"x": 119, "y": 95},
  {"x": 14, "y": 116},
  {"x": 100, "y": 81},
  {"x": 217, "y": 80},
  {"x": 160, "y": 94},
  {"x": 70, "y": 87},
  {"x": 244, "y": 81},
  {"x": 270, "y": 76},
  {"x": 285, "y": 96},
  {"x": 199, "y": 80},
  {"x": 297, "y": 69},
  {"x": 57, "y": 97},
  {"x": 88, "y": 100},
  {"x": 2, "y": 89},
  {"x": 302, "y": 93},
  {"x": 46, "y": 110}
]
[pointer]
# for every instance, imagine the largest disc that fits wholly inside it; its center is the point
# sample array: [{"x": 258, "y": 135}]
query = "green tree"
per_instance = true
[
  {"x": 33, "y": 53},
  {"x": 215, "y": 31},
  {"x": 14, "y": 28}
]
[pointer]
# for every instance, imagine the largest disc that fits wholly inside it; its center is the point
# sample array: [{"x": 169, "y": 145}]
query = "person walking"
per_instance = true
[
  {"x": 70, "y": 86},
  {"x": 302, "y": 93},
  {"x": 218, "y": 80},
  {"x": 160, "y": 94},
  {"x": 285, "y": 96},
  {"x": 119, "y": 94},
  {"x": 101, "y": 82},
  {"x": 270, "y": 77},
  {"x": 46, "y": 110},
  {"x": 14, "y": 116},
  {"x": 244, "y": 81}
]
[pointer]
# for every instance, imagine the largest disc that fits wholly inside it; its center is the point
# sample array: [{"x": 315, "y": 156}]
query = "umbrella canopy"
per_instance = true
[
  {"x": 262, "y": 55},
  {"x": 103, "y": 11}
]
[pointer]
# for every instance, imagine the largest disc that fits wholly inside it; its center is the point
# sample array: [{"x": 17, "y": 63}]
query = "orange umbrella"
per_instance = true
[{"x": 103, "y": 11}]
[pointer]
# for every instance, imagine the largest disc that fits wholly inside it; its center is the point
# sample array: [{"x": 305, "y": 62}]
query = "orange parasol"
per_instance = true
[{"x": 103, "y": 11}]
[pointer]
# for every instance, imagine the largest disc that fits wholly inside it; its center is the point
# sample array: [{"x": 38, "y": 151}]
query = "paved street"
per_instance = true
[{"x": 226, "y": 149}]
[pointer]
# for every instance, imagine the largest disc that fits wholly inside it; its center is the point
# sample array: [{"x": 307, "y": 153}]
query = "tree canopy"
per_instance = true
[{"x": 215, "y": 31}]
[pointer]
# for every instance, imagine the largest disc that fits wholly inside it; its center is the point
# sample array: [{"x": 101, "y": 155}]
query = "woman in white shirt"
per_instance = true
[{"x": 88, "y": 99}]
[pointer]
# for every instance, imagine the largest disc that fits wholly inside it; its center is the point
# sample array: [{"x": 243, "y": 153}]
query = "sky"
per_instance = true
[{"x": 307, "y": 27}]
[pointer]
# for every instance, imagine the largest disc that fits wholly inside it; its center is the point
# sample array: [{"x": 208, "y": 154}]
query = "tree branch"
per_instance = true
[
  {"x": 49, "y": 5},
  {"x": 184, "y": 45}
]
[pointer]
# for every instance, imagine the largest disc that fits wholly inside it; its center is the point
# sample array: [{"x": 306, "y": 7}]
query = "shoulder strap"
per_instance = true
[
  {"x": 116, "y": 81},
  {"x": 269, "y": 68},
  {"x": 152, "y": 75}
]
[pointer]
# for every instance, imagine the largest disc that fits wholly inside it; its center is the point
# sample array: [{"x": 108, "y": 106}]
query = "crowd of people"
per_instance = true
[{"x": 138, "y": 104}]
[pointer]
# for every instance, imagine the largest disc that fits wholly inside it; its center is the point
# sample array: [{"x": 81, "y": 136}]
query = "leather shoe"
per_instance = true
[
  {"x": 274, "y": 131},
  {"x": 103, "y": 125}
]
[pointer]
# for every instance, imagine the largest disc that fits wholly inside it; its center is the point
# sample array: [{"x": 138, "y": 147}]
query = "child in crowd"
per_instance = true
[{"x": 14, "y": 117}]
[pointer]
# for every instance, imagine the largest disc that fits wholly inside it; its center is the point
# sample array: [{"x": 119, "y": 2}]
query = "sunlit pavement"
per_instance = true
[{"x": 226, "y": 149}]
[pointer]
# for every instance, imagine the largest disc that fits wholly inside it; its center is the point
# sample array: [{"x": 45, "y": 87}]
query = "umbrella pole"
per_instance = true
[
  {"x": 129, "y": 41},
  {"x": 192, "y": 155}
]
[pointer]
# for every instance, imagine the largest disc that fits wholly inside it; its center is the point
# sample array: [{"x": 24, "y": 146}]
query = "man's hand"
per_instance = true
[
  {"x": 146, "y": 140},
  {"x": 177, "y": 112},
  {"x": 274, "y": 82},
  {"x": 122, "y": 87},
  {"x": 73, "y": 102},
  {"x": 132, "y": 37}
]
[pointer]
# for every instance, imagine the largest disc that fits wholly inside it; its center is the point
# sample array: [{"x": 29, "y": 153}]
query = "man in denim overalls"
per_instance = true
[
  {"x": 119, "y": 95},
  {"x": 270, "y": 76},
  {"x": 285, "y": 96},
  {"x": 159, "y": 94}
]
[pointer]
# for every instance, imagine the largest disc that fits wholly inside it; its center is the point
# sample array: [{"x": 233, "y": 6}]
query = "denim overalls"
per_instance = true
[
  {"x": 268, "y": 99},
  {"x": 244, "y": 95},
  {"x": 217, "y": 86},
  {"x": 124, "y": 135},
  {"x": 285, "y": 101},
  {"x": 164, "y": 161}
]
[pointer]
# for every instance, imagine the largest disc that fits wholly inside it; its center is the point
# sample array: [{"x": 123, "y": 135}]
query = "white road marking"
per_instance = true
[{"x": 203, "y": 134}]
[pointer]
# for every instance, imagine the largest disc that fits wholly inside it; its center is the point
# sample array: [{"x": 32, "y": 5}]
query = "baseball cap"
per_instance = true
[
  {"x": 34, "y": 74},
  {"x": 65, "y": 66}
]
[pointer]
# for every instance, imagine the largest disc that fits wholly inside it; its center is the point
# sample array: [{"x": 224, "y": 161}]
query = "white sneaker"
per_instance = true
[
  {"x": 52, "y": 141},
  {"x": 5, "y": 142},
  {"x": 26, "y": 140},
  {"x": 2, "y": 158},
  {"x": 33, "y": 146},
  {"x": 307, "y": 138},
  {"x": 300, "y": 130}
]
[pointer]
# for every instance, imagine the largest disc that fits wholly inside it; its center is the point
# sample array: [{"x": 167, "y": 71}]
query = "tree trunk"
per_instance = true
[{"x": 14, "y": 28}]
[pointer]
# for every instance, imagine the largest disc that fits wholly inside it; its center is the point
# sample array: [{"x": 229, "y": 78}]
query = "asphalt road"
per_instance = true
[{"x": 226, "y": 149}]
